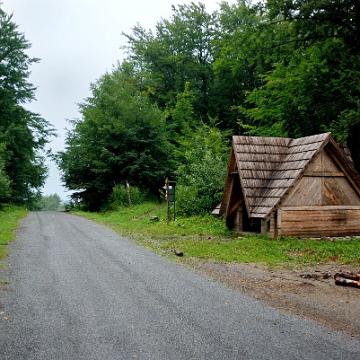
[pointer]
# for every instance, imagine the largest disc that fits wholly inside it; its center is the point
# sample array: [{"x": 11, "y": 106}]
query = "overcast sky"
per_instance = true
[{"x": 77, "y": 42}]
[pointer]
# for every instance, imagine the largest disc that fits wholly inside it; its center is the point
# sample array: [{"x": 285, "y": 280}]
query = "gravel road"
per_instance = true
[{"x": 77, "y": 290}]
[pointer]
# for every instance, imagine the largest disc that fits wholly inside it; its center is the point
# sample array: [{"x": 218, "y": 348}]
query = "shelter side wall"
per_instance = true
[{"x": 320, "y": 221}]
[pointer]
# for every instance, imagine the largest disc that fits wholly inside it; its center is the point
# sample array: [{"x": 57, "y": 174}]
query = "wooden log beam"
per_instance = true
[
  {"x": 235, "y": 206},
  {"x": 320, "y": 207},
  {"x": 324, "y": 174}
]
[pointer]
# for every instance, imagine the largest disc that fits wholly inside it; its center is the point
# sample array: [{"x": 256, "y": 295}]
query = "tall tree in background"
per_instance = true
[
  {"x": 50, "y": 202},
  {"x": 4, "y": 179},
  {"x": 23, "y": 134},
  {"x": 314, "y": 85},
  {"x": 180, "y": 52},
  {"x": 240, "y": 59},
  {"x": 121, "y": 137}
]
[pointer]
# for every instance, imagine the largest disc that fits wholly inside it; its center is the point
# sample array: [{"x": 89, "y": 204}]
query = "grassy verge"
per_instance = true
[
  {"x": 207, "y": 238},
  {"x": 9, "y": 216}
]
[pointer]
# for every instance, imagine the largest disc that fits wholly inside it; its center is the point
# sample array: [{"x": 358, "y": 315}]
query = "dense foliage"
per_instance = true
[
  {"x": 313, "y": 85},
  {"x": 23, "y": 134},
  {"x": 202, "y": 173},
  {"x": 276, "y": 68},
  {"x": 122, "y": 137}
]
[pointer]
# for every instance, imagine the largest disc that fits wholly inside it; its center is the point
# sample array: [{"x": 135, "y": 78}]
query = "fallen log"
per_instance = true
[{"x": 347, "y": 278}]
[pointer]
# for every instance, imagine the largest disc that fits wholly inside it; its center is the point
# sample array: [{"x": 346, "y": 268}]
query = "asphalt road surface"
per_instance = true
[{"x": 77, "y": 290}]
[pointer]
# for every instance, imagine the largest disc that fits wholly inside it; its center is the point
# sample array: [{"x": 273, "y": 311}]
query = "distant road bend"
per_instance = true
[{"x": 77, "y": 290}]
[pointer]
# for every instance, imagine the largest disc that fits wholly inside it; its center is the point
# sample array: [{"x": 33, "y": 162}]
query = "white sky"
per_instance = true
[{"x": 77, "y": 42}]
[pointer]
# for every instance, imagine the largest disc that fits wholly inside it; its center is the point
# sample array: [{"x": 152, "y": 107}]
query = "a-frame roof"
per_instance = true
[{"x": 268, "y": 168}]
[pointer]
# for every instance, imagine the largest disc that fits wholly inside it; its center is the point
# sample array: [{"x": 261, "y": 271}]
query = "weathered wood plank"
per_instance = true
[
  {"x": 316, "y": 233},
  {"x": 320, "y": 221},
  {"x": 306, "y": 192},
  {"x": 299, "y": 149},
  {"x": 339, "y": 192},
  {"x": 321, "y": 208},
  {"x": 329, "y": 164},
  {"x": 264, "y": 149},
  {"x": 300, "y": 156},
  {"x": 334, "y": 217},
  {"x": 251, "y": 157},
  {"x": 293, "y": 165},
  {"x": 324, "y": 174},
  {"x": 259, "y": 140},
  {"x": 266, "y": 183}
]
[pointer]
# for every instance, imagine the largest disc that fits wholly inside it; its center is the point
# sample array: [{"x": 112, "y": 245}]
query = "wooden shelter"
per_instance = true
[{"x": 291, "y": 187}]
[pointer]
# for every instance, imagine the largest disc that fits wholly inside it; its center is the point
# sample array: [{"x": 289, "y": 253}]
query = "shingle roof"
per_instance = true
[{"x": 269, "y": 167}]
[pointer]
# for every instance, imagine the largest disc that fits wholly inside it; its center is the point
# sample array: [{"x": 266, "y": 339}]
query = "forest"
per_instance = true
[
  {"x": 23, "y": 134},
  {"x": 286, "y": 68}
]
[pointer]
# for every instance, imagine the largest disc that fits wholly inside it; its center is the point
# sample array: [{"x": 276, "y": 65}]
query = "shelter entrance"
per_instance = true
[
  {"x": 239, "y": 221},
  {"x": 250, "y": 224}
]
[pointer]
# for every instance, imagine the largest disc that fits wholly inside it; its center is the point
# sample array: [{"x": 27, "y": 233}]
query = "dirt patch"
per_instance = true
[{"x": 309, "y": 292}]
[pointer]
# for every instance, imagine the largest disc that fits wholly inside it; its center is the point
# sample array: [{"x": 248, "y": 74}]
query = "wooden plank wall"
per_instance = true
[{"x": 318, "y": 221}]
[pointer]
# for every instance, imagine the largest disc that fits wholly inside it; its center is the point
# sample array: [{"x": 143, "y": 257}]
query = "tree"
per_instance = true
[
  {"x": 313, "y": 85},
  {"x": 239, "y": 60},
  {"x": 4, "y": 181},
  {"x": 50, "y": 202},
  {"x": 23, "y": 134},
  {"x": 121, "y": 137},
  {"x": 180, "y": 52}
]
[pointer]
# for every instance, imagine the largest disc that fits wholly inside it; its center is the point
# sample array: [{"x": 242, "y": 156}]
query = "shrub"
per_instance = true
[
  {"x": 201, "y": 176},
  {"x": 119, "y": 196}
]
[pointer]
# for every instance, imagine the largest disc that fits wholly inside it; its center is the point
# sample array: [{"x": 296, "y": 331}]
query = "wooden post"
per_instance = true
[
  {"x": 322, "y": 179},
  {"x": 167, "y": 199},
  {"x": 129, "y": 197},
  {"x": 240, "y": 219},
  {"x": 278, "y": 223},
  {"x": 273, "y": 225}
]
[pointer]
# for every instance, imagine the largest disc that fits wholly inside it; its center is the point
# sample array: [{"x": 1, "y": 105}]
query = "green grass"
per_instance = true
[
  {"x": 286, "y": 252},
  {"x": 9, "y": 216},
  {"x": 137, "y": 222},
  {"x": 208, "y": 239}
]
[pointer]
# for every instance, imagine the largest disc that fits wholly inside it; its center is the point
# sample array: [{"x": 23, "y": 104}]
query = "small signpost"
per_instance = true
[{"x": 170, "y": 196}]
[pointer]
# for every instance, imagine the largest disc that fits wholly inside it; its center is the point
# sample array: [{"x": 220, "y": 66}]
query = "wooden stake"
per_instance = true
[
  {"x": 167, "y": 200},
  {"x": 129, "y": 197}
]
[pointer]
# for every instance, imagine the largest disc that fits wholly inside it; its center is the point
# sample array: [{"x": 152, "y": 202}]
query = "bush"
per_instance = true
[
  {"x": 201, "y": 176},
  {"x": 119, "y": 196},
  {"x": 191, "y": 201}
]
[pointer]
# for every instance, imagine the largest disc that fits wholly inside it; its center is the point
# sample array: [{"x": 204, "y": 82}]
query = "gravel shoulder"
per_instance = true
[{"x": 309, "y": 292}]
